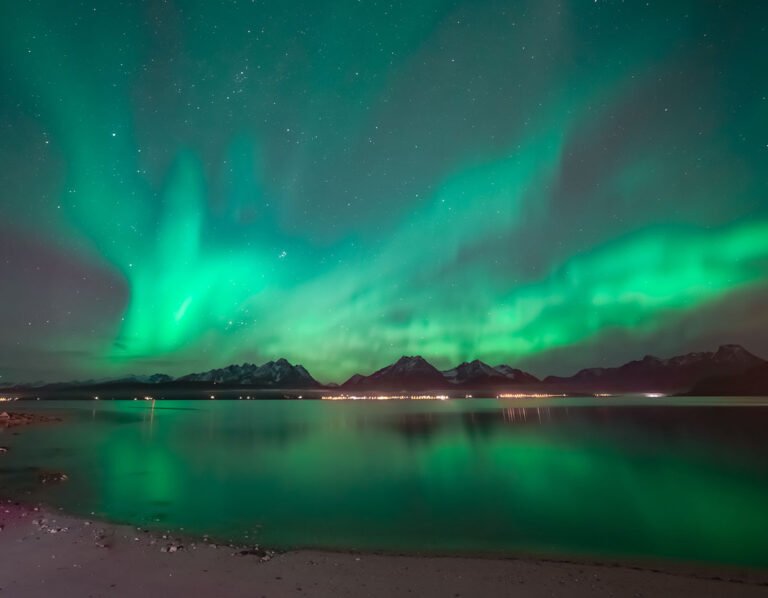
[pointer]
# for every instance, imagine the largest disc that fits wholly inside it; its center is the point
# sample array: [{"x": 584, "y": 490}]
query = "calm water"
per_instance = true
[{"x": 616, "y": 477}]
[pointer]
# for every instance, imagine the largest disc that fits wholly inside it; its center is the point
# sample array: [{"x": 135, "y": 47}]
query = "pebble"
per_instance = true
[{"x": 53, "y": 477}]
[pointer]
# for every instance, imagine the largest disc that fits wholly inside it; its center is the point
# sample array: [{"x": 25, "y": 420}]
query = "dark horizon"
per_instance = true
[{"x": 141, "y": 378}]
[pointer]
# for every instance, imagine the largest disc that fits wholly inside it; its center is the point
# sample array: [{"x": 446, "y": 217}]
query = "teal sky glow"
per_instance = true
[{"x": 550, "y": 184}]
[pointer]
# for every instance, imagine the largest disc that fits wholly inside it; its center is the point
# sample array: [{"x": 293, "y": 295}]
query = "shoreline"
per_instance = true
[
  {"x": 46, "y": 551},
  {"x": 17, "y": 419}
]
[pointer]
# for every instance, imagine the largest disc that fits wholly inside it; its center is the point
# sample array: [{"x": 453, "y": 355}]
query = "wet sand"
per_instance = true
[{"x": 45, "y": 554}]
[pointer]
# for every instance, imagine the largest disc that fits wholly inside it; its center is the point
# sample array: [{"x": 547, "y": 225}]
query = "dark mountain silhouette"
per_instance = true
[
  {"x": 273, "y": 374},
  {"x": 729, "y": 370},
  {"x": 415, "y": 373},
  {"x": 753, "y": 382},
  {"x": 278, "y": 374},
  {"x": 407, "y": 373},
  {"x": 515, "y": 375},
  {"x": 664, "y": 375},
  {"x": 479, "y": 375}
]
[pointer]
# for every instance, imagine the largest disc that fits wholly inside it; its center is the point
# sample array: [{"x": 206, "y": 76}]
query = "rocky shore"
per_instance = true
[
  {"x": 47, "y": 553},
  {"x": 14, "y": 419}
]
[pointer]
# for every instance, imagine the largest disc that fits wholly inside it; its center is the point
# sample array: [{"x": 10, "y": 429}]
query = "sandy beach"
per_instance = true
[{"x": 45, "y": 554}]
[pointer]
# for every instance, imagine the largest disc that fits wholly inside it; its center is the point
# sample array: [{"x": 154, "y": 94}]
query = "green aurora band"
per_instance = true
[{"x": 547, "y": 184}]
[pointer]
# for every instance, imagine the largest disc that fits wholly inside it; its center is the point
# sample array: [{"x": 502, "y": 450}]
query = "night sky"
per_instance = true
[{"x": 553, "y": 185}]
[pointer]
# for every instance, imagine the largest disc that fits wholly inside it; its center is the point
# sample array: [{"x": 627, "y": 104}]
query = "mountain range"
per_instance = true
[
  {"x": 273, "y": 374},
  {"x": 753, "y": 382},
  {"x": 651, "y": 374},
  {"x": 416, "y": 373},
  {"x": 730, "y": 366}
]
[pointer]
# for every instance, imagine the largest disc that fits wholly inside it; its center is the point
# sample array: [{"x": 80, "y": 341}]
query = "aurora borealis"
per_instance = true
[{"x": 548, "y": 184}]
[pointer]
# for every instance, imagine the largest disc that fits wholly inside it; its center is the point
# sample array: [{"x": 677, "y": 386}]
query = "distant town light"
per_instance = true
[
  {"x": 384, "y": 397},
  {"x": 525, "y": 395}
]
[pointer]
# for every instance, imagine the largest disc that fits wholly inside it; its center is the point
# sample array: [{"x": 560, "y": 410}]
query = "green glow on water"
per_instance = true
[{"x": 458, "y": 476}]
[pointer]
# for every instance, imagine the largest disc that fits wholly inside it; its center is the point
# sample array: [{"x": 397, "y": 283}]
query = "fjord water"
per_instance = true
[{"x": 606, "y": 477}]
